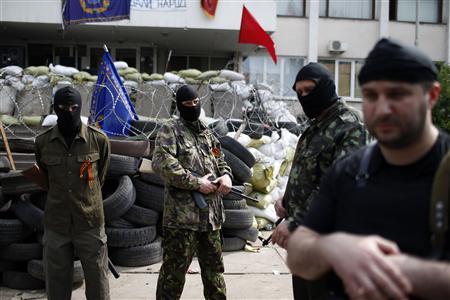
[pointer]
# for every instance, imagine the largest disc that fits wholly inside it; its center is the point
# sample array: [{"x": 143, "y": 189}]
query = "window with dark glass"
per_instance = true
[
  {"x": 294, "y": 8},
  {"x": 40, "y": 54},
  {"x": 127, "y": 55},
  {"x": 430, "y": 11},
  {"x": 349, "y": 9},
  {"x": 146, "y": 63}
]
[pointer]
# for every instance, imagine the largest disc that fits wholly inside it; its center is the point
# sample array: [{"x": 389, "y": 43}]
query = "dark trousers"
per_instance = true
[
  {"x": 308, "y": 289},
  {"x": 90, "y": 247}
]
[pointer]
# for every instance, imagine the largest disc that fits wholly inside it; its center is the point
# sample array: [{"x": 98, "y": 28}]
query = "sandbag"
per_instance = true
[
  {"x": 268, "y": 213},
  {"x": 12, "y": 70},
  {"x": 63, "y": 70},
  {"x": 264, "y": 200},
  {"x": 40, "y": 81},
  {"x": 218, "y": 80},
  {"x": 134, "y": 77},
  {"x": 124, "y": 72},
  {"x": 7, "y": 98},
  {"x": 27, "y": 79},
  {"x": 263, "y": 178},
  {"x": 220, "y": 87},
  {"x": 231, "y": 75},
  {"x": 189, "y": 73},
  {"x": 82, "y": 76},
  {"x": 145, "y": 76},
  {"x": 32, "y": 120},
  {"x": 156, "y": 76},
  {"x": 120, "y": 65},
  {"x": 192, "y": 81},
  {"x": 208, "y": 75},
  {"x": 37, "y": 71},
  {"x": 173, "y": 78},
  {"x": 9, "y": 120}
]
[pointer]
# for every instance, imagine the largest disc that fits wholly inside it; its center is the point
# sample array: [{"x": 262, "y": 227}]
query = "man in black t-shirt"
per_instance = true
[{"x": 369, "y": 224}]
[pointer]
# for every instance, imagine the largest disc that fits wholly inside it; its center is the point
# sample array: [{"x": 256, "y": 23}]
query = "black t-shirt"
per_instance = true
[{"x": 395, "y": 202}]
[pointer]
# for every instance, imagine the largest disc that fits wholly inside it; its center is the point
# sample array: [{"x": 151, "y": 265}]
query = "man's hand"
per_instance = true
[
  {"x": 281, "y": 235},
  {"x": 206, "y": 186},
  {"x": 363, "y": 266},
  {"x": 223, "y": 184},
  {"x": 279, "y": 209}
]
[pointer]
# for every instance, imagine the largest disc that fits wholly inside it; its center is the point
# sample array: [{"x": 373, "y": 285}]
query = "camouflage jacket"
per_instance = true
[
  {"x": 73, "y": 204},
  {"x": 339, "y": 132},
  {"x": 183, "y": 149}
]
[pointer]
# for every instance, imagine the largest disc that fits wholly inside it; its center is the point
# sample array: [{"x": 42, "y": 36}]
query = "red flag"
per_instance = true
[
  {"x": 209, "y": 7},
  {"x": 252, "y": 33}
]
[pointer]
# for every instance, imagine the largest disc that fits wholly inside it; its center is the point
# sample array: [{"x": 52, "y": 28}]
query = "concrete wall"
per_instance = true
[
  {"x": 227, "y": 14},
  {"x": 291, "y": 37}
]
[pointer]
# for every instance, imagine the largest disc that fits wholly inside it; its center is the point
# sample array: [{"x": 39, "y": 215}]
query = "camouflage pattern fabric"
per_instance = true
[
  {"x": 183, "y": 149},
  {"x": 337, "y": 133},
  {"x": 179, "y": 246}
]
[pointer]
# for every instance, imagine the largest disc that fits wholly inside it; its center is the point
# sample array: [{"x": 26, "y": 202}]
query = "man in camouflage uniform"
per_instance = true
[
  {"x": 74, "y": 158},
  {"x": 186, "y": 155},
  {"x": 335, "y": 130}
]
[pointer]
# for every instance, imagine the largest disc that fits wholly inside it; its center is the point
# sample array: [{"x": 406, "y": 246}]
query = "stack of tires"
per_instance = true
[
  {"x": 132, "y": 212},
  {"x": 21, "y": 231},
  {"x": 239, "y": 226}
]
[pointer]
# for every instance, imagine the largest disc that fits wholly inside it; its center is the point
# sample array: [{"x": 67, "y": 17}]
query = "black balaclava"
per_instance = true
[
  {"x": 69, "y": 122},
  {"x": 187, "y": 93},
  {"x": 391, "y": 60},
  {"x": 322, "y": 96}
]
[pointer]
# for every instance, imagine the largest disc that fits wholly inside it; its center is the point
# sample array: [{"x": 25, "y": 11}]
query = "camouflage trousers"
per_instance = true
[{"x": 179, "y": 246}]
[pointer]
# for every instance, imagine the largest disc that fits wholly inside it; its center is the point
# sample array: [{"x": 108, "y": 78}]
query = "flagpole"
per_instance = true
[{"x": 105, "y": 48}]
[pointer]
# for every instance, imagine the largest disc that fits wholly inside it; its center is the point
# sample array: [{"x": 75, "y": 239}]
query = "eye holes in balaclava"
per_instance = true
[
  {"x": 322, "y": 96},
  {"x": 188, "y": 113},
  {"x": 67, "y": 106}
]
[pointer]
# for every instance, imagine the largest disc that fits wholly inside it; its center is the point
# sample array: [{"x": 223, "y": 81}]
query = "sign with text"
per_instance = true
[{"x": 159, "y": 4}]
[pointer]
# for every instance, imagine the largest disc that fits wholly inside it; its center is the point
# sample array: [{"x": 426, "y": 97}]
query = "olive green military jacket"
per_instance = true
[
  {"x": 74, "y": 204},
  {"x": 183, "y": 151},
  {"x": 335, "y": 134}
]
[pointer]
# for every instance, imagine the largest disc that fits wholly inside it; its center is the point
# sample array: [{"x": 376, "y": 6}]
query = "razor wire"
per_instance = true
[{"x": 153, "y": 103}]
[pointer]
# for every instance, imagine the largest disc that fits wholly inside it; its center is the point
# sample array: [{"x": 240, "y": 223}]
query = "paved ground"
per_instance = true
[{"x": 248, "y": 275}]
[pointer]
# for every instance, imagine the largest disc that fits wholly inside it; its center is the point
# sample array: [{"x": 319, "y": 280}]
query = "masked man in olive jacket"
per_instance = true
[
  {"x": 74, "y": 158},
  {"x": 187, "y": 155}
]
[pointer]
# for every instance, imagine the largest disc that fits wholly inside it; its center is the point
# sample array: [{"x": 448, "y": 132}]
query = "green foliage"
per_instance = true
[{"x": 441, "y": 111}]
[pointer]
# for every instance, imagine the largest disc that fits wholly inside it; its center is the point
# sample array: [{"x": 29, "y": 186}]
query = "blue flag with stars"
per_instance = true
[{"x": 111, "y": 107}]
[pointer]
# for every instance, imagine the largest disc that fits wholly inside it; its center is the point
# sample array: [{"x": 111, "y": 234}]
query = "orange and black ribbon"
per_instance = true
[{"x": 87, "y": 165}]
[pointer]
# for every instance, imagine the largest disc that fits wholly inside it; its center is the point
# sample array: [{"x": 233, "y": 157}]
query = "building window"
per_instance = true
[
  {"x": 146, "y": 60},
  {"x": 430, "y": 11},
  {"x": 351, "y": 9},
  {"x": 127, "y": 55},
  {"x": 345, "y": 75},
  {"x": 261, "y": 69},
  {"x": 202, "y": 63},
  {"x": 291, "y": 8}
]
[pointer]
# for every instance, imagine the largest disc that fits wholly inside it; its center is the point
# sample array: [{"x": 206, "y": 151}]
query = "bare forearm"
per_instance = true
[
  {"x": 303, "y": 258},
  {"x": 429, "y": 279}
]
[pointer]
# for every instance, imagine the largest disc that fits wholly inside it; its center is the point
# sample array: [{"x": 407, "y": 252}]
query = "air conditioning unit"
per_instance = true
[{"x": 336, "y": 46}]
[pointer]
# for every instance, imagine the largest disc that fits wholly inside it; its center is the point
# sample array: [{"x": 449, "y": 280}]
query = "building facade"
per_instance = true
[{"x": 164, "y": 35}]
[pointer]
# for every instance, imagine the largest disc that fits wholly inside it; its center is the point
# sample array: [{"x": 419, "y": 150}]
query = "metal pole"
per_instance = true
[
  {"x": 105, "y": 48},
  {"x": 416, "y": 41},
  {"x": 6, "y": 144}
]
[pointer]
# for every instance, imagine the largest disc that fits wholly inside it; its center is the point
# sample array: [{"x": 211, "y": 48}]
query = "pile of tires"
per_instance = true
[
  {"x": 132, "y": 213},
  {"x": 21, "y": 232},
  {"x": 239, "y": 220}
]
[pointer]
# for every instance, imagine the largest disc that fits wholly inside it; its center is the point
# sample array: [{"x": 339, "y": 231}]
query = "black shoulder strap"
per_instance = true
[
  {"x": 439, "y": 207},
  {"x": 363, "y": 170}
]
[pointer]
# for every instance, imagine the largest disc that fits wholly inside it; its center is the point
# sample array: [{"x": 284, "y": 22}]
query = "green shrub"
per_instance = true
[{"x": 441, "y": 111}]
